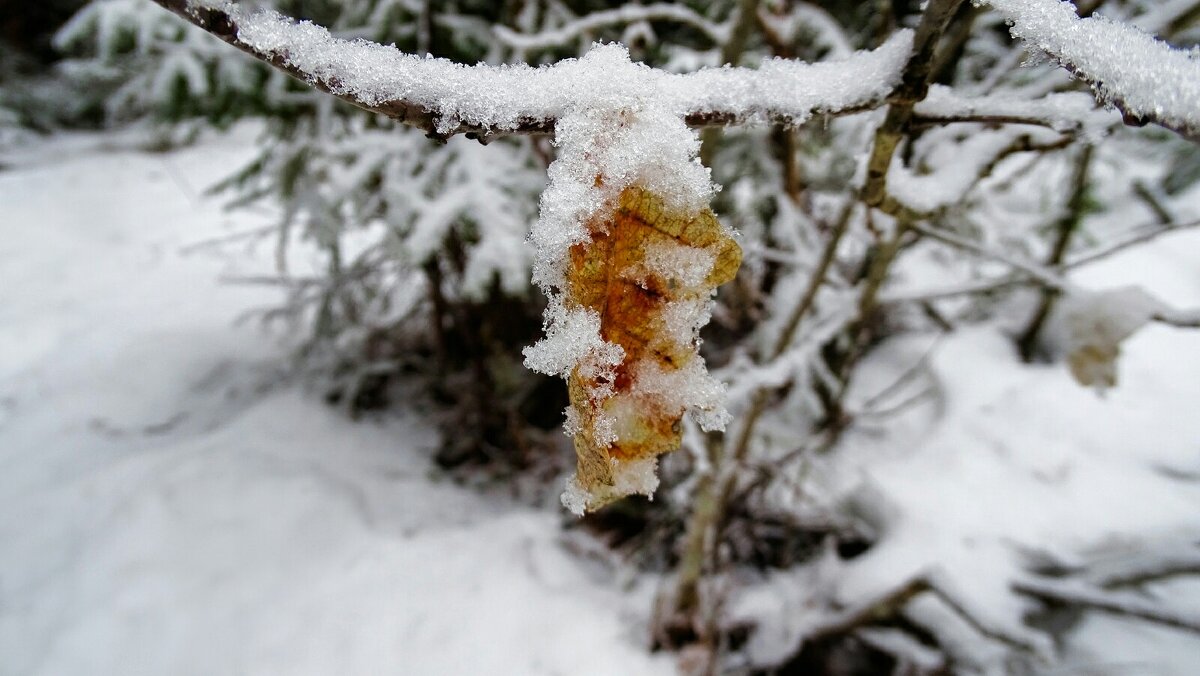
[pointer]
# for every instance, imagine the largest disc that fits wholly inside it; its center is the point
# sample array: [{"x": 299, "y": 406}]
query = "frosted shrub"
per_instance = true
[{"x": 876, "y": 182}]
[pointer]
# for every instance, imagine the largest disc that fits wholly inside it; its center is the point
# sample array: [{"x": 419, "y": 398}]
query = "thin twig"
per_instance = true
[
  {"x": 1129, "y": 241},
  {"x": 572, "y": 30},
  {"x": 1043, "y": 275},
  {"x": 882, "y": 608},
  {"x": 1112, "y": 602},
  {"x": 978, "y": 625},
  {"x": 909, "y": 373}
]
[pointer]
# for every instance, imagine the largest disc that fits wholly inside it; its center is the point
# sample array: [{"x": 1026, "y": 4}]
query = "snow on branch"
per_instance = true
[
  {"x": 446, "y": 98},
  {"x": 1145, "y": 78},
  {"x": 1084, "y": 596},
  {"x": 1065, "y": 112},
  {"x": 718, "y": 33},
  {"x": 1149, "y": 308}
]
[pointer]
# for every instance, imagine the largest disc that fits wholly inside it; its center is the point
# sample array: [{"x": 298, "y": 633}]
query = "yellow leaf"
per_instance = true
[{"x": 645, "y": 271}]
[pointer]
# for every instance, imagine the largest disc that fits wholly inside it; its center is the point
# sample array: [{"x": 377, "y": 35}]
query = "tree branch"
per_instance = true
[
  {"x": 1045, "y": 277},
  {"x": 557, "y": 37},
  {"x": 1111, "y": 602},
  {"x": 913, "y": 88},
  {"x": 1064, "y": 112},
  {"x": 1149, "y": 81},
  {"x": 1138, "y": 237},
  {"x": 887, "y": 606},
  {"x": 444, "y": 98}
]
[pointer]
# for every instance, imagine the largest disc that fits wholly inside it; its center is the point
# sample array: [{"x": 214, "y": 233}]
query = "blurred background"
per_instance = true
[{"x": 263, "y": 407}]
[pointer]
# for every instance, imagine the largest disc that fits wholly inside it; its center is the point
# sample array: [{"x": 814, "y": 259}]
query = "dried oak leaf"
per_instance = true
[{"x": 649, "y": 274}]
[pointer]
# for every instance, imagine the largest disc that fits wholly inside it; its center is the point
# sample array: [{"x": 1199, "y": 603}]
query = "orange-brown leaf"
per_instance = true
[{"x": 642, "y": 265}]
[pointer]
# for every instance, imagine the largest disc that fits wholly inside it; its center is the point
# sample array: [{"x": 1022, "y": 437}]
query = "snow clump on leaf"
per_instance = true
[{"x": 629, "y": 254}]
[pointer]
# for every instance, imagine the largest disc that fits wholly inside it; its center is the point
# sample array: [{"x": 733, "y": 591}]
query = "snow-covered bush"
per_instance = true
[{"x": 926, "y": 171}]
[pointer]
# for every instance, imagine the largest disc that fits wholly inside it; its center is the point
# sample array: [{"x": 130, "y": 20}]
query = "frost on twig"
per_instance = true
[
  {"x": 1118, "y": 603},
  {"x": 628, "y": 253},
  {"x": 1064, "y": 112},
  {"x": 446, "y": 98},
  {"x": 1146, "y": 79},
  {"x": 573, "y": 30}
]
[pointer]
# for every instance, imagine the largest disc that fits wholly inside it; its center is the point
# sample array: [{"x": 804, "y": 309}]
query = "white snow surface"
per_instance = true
[
  {"x": 169, "y": 506},
  {"x": 1145, "y": 76},
  {"x": 1005, "y": 464}
]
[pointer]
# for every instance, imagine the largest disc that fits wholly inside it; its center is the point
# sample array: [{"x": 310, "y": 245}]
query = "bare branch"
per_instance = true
[
  {"x": 913, "y": 88},
  {"x": 1138, "y": 236},
  {"x": 941, "y": 589},
  {"x": 884, "y": 607},
  {"x": 1146, "y": 567},
  {"x": 1169, "y": 17},
  {"x": 1180, "y": 319},
  {"x": 812, "y": 21},
  {"x": 781, "y": 92},
  {"x": 967, "y": 289},
  {"x": 888, "y": 605}
]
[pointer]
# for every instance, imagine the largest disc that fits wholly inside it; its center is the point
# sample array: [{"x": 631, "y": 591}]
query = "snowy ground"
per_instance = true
[
  {"x": 1008, "y": 465},
  {"x": 168, "y": 506}
]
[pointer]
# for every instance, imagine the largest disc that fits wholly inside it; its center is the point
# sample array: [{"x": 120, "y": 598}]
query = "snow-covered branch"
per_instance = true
[
  {"x": 1138, "y": 236},
  {"x": 1045, "y": 277},
  {"x": 781, "y": 30},
  {"x": 1145, "y": 78},
  {"x": 446, "y": 98},
  {"x": 1066, "y": 112},
  {"x": 1084, "y": 596},
  {"x": 627, "y": 14}
]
